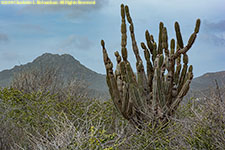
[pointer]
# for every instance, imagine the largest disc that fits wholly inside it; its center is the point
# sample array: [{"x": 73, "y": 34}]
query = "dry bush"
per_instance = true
[
  {"x": 35, "y": 80},
  {"x": 202, "y": 121},
  {"x": 196, "y": 126},
  {"x": 49, "y": 80},
  {"x": 90, "y": 128}
]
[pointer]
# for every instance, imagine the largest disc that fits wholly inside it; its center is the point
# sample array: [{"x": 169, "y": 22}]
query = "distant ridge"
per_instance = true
[
  {"x": 208, "y": 80},
  {"x": 205, "y": 85}
]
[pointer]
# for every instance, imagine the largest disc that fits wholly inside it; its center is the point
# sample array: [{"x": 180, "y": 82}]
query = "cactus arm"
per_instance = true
[
  {"x": 150, "y": 71},
  {"x": 118, "y": 73},
  {"x": 165, "y": 41},
  {"x": 142, "y": 79},
  {"x": 190, "y": 41},
  {"x": 169, "y": 79},
  {"x": 123, "y": 34},
  {"x": 160, "y": 38},
  {"x": 155, "y": 85},
  {"x": 134, "y": 43},
  {"x": 154, "y": 53},
  {"x": 111, "y": 81},
  {"x": 160, "y": 81},
  {"x": 122, "y": 84},
  {"x": 178, "y": 68},
  {"x": 149, "y": 40},
  {"x": 172, "y": 47},
  {"x": 178, "y": 35},
  {"x": 150, "y": 43},
  {"x": 183, "y": 72},
  {"x": 181, "y": 94},
  {"x": 168, "y": 63}
]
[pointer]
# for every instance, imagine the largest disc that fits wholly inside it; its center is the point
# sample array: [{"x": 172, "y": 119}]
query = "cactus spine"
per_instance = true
[{"x": 153, "y": 96}]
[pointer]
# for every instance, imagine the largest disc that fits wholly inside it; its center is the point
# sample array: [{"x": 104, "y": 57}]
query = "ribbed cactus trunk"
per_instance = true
[{"x": 155, "y": 95}]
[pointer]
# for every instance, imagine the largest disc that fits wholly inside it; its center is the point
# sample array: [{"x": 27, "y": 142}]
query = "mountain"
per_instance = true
[
  {"x": 70, "y": 68},
  {"x": 205, "y": 85},
  {"x": 66, "y": 65},
  {"x": 208, "y": 80}
]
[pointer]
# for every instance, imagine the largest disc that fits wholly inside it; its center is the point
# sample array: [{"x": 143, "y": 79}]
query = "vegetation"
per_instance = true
[
  {"x": 154, "y": 97},
  {"x": 37, "y": 113},
  {"x": 42, "y": 121}
]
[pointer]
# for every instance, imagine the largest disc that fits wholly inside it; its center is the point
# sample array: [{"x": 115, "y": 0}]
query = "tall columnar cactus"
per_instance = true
[{"x": 154, "y": 95}]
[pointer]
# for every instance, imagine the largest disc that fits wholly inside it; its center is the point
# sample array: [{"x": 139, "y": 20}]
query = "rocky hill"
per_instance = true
[
  {"x": 67, "y": 66},
  {"x": 208, "y": 80},
  {"x": 205, "y": 85}
]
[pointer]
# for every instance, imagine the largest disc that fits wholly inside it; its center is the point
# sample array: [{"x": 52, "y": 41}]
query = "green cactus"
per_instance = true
[{"x": 156, "y": 95}]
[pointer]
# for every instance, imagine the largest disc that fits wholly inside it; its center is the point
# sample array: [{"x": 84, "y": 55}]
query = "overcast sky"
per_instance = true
[{"x": 27, "y": 32}]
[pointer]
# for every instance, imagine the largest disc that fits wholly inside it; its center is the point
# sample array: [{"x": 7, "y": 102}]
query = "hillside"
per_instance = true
[
  {"x": 208, "y": 80},
  {"x": 67, "y": 66},
  {"x": 205, "y": 85}
]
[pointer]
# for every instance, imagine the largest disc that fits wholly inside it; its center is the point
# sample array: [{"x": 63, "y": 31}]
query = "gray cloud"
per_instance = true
[
  {"x": 76, "y": 42},
  {"x": 218, "y": 26},
  {"x": 72, "y": 11},
  {"x": 214, "y": 32},
  {"x": 213, "y": 38},
  {"x": 3, "y": 38}
]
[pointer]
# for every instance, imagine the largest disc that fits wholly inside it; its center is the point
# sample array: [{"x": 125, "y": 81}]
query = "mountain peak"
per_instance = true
[{"x": 49, "y": 57}]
